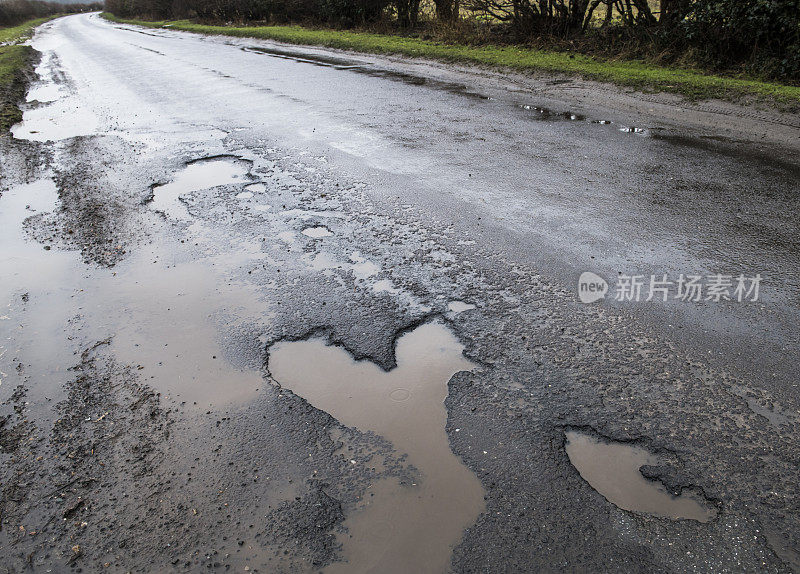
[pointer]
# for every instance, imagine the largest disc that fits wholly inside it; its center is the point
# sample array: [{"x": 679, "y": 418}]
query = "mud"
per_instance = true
[
  {"x": 105, "y": 441},
  {"x": 459, "y": 306}
]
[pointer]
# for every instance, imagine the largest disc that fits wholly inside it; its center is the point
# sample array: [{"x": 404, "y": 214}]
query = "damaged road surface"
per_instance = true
[{"x": 277, "y": 309}]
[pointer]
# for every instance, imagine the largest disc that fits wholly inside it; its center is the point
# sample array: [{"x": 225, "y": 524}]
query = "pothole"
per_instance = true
[
  {"x": 612, "y": 469},
  {"x": 44, "y": 93},
  {"x": 197, "y": 175},
  {"x": 459, "y": 306},
  {"x": 52, "y": 112},
  {"x": 363, "y": 268},
  {"x": 548, "y": 114},
  {"x": 385, "y": 286},
  {"x": 317, "y": 232},
  {"x": 398, "y": 528},
  {"x": 634, "y": 130},
  {"x": 256, "y": 188},
  {"x": 24, "y": 263}
]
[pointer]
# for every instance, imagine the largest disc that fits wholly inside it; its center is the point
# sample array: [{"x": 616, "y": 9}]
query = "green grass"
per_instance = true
[
  {"x": 21, "y": 32},
  {"x": 636, "y": 74},
  {"x": 13, "y": 59}
]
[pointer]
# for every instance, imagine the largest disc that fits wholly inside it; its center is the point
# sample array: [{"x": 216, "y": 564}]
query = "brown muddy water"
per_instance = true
[
  {"x": 398, "y": 528},
  {"x": 157, "y": 308},
  {"x": 612, "y": 469},
  {"x": 30, "y": 273}
]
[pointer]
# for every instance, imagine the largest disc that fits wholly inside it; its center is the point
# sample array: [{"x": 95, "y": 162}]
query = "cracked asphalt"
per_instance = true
[{"x": 179, "y": 210}]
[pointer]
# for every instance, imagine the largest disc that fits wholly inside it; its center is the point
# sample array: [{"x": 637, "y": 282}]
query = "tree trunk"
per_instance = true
[
  {"x": 643, "y": 13},
  {"x": 413, "y": 12},
  {"x": 444, "y": 10},
  {"x": 577, "y": 11},
  {"x": 403, "y": 13},
  {"x": 588, "y": 20}
]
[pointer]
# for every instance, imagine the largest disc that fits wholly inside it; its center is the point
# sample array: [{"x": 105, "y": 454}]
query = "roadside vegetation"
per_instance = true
[
  {"x": 700, "y": 48},
  {"x": 14, "y": 59}
]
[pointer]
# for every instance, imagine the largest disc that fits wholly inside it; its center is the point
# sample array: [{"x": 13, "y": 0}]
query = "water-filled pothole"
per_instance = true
[
  {"x": 257, "y": 187},
  {"x": 409, "y": 528},
  {"x": 612, "y": 469},
  {"x": 634, "y": 130},
  {"x": 361, "y": 267},
  {"x": 459, "y": 306},
  {"x": 197, "y": 175},
  {"x": 548, "y": 114},
  {"x": 53, "y": 113},
  {"x": 317, "y": 232}
]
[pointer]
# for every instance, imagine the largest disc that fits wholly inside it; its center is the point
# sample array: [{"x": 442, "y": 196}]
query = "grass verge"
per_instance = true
[
  {"x": 636, "y": 74},
  {"x": 15, "y": 59}
]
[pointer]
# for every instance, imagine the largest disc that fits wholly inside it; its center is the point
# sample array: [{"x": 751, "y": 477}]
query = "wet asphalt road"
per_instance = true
[{"x": 181, "y": 213}]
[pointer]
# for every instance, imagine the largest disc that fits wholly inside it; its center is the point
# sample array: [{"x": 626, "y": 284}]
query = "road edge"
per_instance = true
[
  {"x": 22, "y": 60},
  {"x": 689, "y": 84}
]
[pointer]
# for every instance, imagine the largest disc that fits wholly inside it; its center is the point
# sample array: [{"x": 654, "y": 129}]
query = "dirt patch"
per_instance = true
[
  {"x": 57, "y": 482},
  {"x": 98, "y": 214}
]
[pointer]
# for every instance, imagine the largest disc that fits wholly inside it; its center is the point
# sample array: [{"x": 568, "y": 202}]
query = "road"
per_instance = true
[{"x": 288, "y": 309}]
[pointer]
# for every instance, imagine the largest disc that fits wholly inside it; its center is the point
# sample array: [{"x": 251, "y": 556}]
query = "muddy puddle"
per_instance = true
[
  {"x": 399, "y": 527},
  {"x": 22, "y": 259},
  {"x": 159, "y": 308},
  {"x": 385, "y": 286},
  {"x": 543, "y": 113},
  {"x": 31, "y": 344},
  {"x": 165, "y": 313},
  {"x": 361, "y": 267},
  {"x": 612, "y": 469},
  {"x": 635, "y": 130},
  {"x": 47, "y": 122},
  {"x": 550, "y": 115},
  {"x": 197, "y": 175},
  {"x": 255, "y": 188}
]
